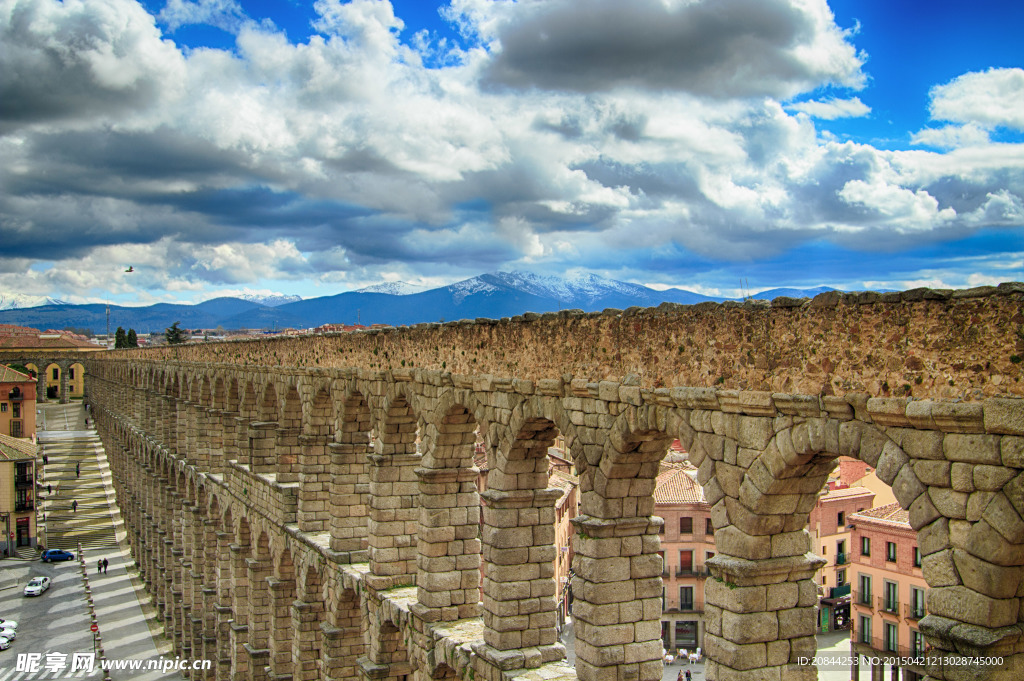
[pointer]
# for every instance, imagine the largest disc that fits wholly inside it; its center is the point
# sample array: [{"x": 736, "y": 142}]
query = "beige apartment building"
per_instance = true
[
  {"x": 17, "y": 494},
  {"x": 888, "y": 589},
  {"x": 687, "y": 541},
  {"x": 17, "y": 403}
]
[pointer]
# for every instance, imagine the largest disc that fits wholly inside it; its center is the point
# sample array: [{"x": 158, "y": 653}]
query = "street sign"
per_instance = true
[{"x": 94, "y": 627}]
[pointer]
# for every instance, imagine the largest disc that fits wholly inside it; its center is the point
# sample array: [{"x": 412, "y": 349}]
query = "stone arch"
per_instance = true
[
  {"x": 282, "y": 594},
  {"x": 307, "y": 616},
  {"x": 343, "y": 642},
  {"x": 314, "y": 463},
  {"x": 349, "y": 483},
  {"x": 448, "y": 550},
  {"x": 393, "y": 514},
  {"x": 519, "y": 534}
]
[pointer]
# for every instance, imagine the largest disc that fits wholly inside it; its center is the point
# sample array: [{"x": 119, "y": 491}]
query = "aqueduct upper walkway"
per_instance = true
[{"x": 307, "y": 508}]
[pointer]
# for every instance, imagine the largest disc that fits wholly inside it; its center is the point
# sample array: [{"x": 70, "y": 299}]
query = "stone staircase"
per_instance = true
[{"x": 73, "y": 473}]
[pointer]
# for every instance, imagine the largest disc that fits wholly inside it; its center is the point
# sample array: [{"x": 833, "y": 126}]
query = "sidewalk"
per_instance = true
[{"x": 124, "y": 612}]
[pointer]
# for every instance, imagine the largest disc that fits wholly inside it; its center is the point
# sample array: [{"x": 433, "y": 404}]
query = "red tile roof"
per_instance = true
[
  {"x": 676, "y": 486},
  {"x": 9, "y": 375},
  {"x": 890, "y": 514},
  {"x": 17, "y": 337}
]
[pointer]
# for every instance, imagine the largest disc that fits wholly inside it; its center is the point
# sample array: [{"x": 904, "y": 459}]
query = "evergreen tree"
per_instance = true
[
  {"x": 174, "y": 335},
  {"x": 131, "y": 340},
  {"x": 120, "y": 340}
]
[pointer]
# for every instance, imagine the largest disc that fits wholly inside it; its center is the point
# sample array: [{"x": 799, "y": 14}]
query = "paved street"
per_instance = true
[{"x": 59, "y": 620}]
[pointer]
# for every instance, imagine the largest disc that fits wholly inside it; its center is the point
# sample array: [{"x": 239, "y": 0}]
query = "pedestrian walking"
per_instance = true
[
  {"x": 49, "y": 488},
  {"x": 679, "y": 676},
  {"x": 106, "y": 564},
  {"x": 688, "y": 677},
  {"x": 74, "y": 505},
  {"x": 45, "y": 460},
  {"x": 78, "y": 470},
  {"x": 99, "y": 566}
]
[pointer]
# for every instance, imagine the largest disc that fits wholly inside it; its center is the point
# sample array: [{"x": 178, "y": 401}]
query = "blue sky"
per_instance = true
[{"x": 311, "y": 148}]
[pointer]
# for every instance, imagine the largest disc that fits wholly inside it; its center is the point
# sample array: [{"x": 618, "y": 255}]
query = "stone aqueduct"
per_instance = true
[{"x": 307, "y": 508}]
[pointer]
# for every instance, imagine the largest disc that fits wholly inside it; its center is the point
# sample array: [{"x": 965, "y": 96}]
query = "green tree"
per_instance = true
[
  {"x": 174, "y": 335},
  {"x": 120, "y": 340},
  {"x": 131, "y": 340}
]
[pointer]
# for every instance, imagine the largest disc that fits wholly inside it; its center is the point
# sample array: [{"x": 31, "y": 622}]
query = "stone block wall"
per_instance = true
[{"x": 398, "y": 550}]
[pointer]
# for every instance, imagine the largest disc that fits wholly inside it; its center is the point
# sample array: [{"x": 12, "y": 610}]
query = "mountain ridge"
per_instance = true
[{"x": 494, "y": 295}]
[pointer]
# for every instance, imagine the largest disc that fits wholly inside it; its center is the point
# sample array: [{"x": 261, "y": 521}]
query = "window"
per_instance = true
[
  {"x": 917, "y": 557},
  {"x": 709, "y": 528},
  {"x": 686, "y": 635},
  {"x": 17, "y": 411},
  {"x": 71, "y": 373},
  {"x": 685, "y": 562},
  {"x": 664, "y": 564},
  {"x": 865, "y": 546},
  {"x": 840, "y": 577},
  {"x": 661, "y": 528},
  {"x": 841, "y": 557},
  {"x": 864, "y": 590},
  {"x": 840, "y": 519},
  {"x": 685, "y": 525},
  {"x": 892, "y": 638},
  {"x": 890, "y": 551},
  {"x": 916, "y": 603},
  {"x": 56, "y": 373},
  {"x": 891, "y": 599},
  {"x": 3, "y": 406},
  {"x": 686, "y": 598},
  {"x": 864, "y": 630},
  {"x": 916, "y": 643}
]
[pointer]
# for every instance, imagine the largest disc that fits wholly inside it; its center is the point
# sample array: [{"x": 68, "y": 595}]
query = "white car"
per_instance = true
[
  {"x": 8, "y": 624},
  {"x": 37, "y": 585},
  {"x": 5, "y": 643},
  {"x": 9, "y": 634}
]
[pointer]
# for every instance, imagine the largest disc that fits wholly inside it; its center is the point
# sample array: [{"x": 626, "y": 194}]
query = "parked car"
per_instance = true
[
  {"x": 5, "y": 643},
  {"x": 36, "y": 586},
  {"x": 9, "y": 634},
  {"x": 51, "y": 555},
  {"x": 8, "y": 624}
]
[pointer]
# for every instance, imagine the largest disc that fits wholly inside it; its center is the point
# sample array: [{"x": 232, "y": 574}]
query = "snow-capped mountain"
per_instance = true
[
  {"x": 270, "y": 300},
  {"x": 578, "y": 289},
  {"x": 392, "y": 288},
  {"x": 18, "y": 301}
]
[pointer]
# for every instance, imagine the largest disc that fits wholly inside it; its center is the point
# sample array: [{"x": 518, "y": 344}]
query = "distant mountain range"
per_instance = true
[
  {"x": 494, "y": 295},
  {"x": 17, "y": 301}
]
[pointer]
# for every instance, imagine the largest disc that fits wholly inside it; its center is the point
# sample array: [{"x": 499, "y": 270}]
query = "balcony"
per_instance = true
[
  {"x": 842, "y": 558},
  {"x": 20, "y": 506},
  {"x": 23, "y": 480},
  {"x": 913, "y": 612},
  {"x": 692, "y": 571},
  {"x": 878, "y": 647},
  {"x": 888, "y": 605},
  {"x": 839, "y": 591},
  {"x": 862, "y": 599}
]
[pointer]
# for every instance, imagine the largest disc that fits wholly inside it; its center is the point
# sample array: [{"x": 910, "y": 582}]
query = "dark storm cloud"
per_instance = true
[
  {"x": 724, "y": 48},
  {"x": 78, "y": 60}
]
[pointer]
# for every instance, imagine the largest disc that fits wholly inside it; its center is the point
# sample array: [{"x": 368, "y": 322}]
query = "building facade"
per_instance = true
[
  {"x": 889, "y": 589},
  {"x": 17, "y": 494},
  {"x": 687, "y": 543},
  {"x": 17, "y": 403}
]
